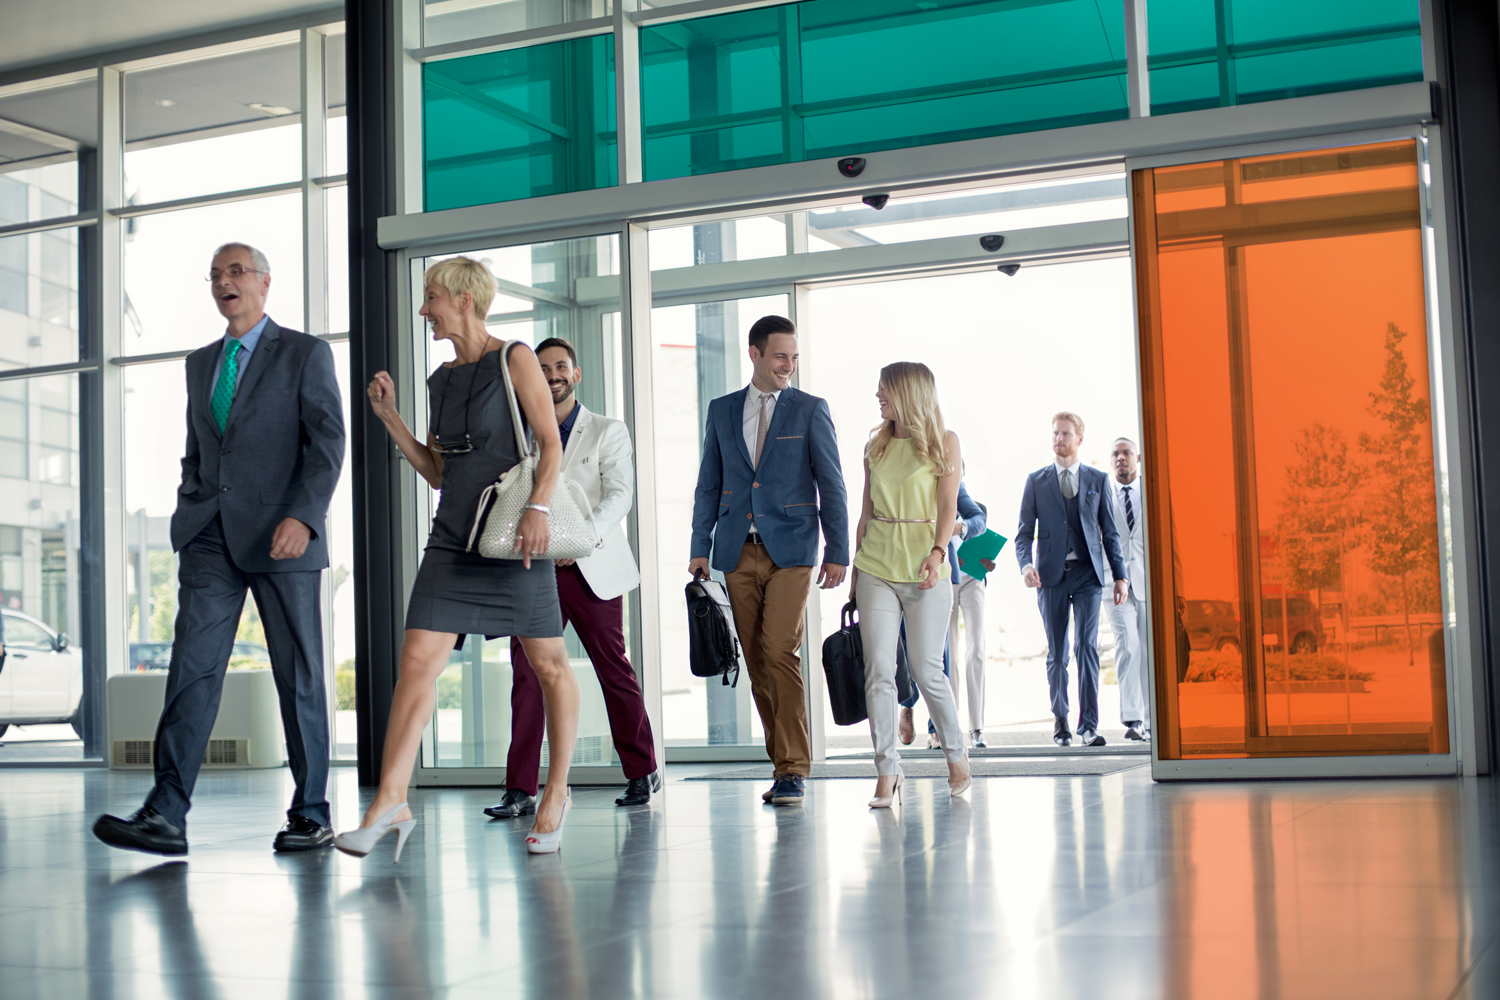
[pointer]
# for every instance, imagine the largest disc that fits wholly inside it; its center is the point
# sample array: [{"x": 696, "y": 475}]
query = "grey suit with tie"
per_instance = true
[{"x": 278, "y": 456}]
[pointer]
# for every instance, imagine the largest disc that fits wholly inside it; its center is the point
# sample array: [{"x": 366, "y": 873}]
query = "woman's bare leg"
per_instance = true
[
  {"x": 424, "y": 654},
  {"x": 549, "y": 658}
]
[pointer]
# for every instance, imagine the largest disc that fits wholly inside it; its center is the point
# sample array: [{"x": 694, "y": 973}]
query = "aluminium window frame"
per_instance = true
[{"x": 101, "y": 287}]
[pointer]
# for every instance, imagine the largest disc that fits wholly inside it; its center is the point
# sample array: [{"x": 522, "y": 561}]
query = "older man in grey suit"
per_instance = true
[{"x": 265, "y": 444}]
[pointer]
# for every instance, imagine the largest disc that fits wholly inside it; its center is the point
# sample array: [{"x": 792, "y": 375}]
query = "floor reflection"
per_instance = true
[{"x": 1045, "y": 887}]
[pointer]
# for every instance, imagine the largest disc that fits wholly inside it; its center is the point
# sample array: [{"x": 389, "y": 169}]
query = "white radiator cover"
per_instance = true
[{"x": 247, "y": 733}]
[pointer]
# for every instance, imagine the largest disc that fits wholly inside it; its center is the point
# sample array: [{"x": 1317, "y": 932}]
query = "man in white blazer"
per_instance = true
[
  {"x": 597, "y": 456},
  {"x": 1128, "y": 619}
]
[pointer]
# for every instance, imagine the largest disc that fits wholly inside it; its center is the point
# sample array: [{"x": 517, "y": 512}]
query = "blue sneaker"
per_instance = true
[{"x": 788, "y": 790}]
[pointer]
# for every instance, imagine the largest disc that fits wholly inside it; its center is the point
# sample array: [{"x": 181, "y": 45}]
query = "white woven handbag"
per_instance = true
[{"x": 571, "y": 519}]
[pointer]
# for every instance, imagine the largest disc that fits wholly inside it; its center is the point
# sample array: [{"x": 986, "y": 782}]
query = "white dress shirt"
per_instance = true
[{"x": 751, "y": 421}]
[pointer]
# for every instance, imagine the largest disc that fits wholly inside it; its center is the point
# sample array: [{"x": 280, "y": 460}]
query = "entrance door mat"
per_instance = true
[{"x": 1064, "y": 767}]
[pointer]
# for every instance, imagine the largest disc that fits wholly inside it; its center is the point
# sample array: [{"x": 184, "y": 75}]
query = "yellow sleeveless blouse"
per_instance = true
[{"x": 902, "y": 486}]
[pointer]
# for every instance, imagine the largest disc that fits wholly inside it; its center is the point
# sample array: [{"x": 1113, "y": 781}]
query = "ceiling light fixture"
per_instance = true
[{"x": 269, "y": 110}]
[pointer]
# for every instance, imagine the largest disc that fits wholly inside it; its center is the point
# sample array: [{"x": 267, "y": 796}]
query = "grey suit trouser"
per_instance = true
[{"x": 211, "y": 596}]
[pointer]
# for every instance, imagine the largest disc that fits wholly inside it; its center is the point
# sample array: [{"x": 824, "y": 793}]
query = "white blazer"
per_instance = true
[
  {"x": 1132, "y": 543},
  {"x": 599, "y": 458}
]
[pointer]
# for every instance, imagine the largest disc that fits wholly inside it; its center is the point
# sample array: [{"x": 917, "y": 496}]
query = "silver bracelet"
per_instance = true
[{"x": 539, "y": 507}]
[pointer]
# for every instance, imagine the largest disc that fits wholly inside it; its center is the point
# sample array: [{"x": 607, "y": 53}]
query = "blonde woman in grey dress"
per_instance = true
[{"x": 458, "y": 593}]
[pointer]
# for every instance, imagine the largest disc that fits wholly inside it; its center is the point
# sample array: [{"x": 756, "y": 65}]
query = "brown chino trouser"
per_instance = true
[{"x": 770, "y": 603}]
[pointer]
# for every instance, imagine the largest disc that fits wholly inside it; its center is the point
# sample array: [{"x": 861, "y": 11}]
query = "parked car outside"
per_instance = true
[
  {"x": 41, "y": 681},
  {"x": 1216, "y": 624}
]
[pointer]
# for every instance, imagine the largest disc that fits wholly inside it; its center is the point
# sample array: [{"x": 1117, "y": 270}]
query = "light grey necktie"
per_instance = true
[
  {"x": 1068, "y": 491},
  {"x": 763, "y": 424}
]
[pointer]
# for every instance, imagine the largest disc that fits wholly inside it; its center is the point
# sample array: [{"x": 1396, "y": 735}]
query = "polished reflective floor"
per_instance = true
[{"x": 1107, "y": 887}]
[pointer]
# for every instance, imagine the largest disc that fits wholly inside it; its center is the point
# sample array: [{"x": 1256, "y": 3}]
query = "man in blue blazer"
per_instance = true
[
  {"x": 265, "y": 445},
  {"x": 1065, "y": 508},
  {"x": 770, "y": 475}
]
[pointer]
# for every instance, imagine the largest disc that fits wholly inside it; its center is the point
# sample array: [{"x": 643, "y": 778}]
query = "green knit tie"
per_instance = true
[{"x": 223, "y": 396}]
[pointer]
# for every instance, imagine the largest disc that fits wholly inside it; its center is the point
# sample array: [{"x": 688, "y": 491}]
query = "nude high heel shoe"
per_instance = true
[
  {"x": 879, "y": 802},
  {"x": 362, "y": 841},
  {"x": 960, "y": 787},
  {"x": 548, "y": 843}
]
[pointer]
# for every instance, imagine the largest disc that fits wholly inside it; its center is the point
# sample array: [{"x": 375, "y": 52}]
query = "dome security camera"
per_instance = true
[
  {"x": 876, "y": 201},
  {"x": 1009, "y": 270}
]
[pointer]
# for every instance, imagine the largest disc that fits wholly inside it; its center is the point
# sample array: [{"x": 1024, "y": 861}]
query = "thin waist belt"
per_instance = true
[{"x": 904, "y": 520}]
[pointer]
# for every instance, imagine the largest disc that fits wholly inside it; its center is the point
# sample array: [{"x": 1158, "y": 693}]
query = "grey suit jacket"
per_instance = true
[{"x": 279, "y": 456}]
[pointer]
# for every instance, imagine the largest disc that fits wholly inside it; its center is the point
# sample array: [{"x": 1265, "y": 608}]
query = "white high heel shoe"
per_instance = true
[
  {"x": 955, "y": 790},
  {"x": 362, "y": 841},
  {"x": 548, "y": 843},
  {"x": 879, "y": 802}
]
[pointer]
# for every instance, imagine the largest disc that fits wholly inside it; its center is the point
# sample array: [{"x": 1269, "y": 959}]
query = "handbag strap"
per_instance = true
[{"x": 522, "y": 449}]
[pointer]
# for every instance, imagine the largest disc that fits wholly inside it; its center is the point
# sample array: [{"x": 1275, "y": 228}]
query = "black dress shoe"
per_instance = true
[
  {"x": 146, "y": 831},
  {"x": 303, "y": 834},
  {"x": 1060, "y": 734},
  {"x": 1134, "y": 731},
  {"x": 638, "y": 790},
  {"x": 1089, "y": 738},
  {"x": 512, "y": 805}
]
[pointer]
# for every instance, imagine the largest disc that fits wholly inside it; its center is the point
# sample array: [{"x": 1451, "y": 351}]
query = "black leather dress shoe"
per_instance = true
[
  {"x": 303, "y": 834},
  {"x": 638, "y": 790},
  {"x": 146, "y": 831},
  {"x": 512, "y": 805},
  {"x": 1060, "y": 734},
  {"x": 1135, "y": 731},
  {"x": 1089, "y": 738}
]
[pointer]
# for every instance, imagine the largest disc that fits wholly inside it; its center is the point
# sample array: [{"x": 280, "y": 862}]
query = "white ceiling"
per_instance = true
[{"x": 45, "y": 31}]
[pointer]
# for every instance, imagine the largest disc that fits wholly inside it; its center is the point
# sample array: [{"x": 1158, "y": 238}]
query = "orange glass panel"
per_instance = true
[{"x": 1288, "y": 436}]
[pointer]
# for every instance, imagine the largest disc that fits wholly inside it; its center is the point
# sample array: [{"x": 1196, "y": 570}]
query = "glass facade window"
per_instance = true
[
  {"x": 39, "y": 271},
  {"x": 519, "y": 123},
  {"x": 445, "y": 21},
  {"x": 831, "y": 77},
  {"x": 1292, "y": 497},
  {"x": 39, "y": 560},
  {"x": 1208, "y": 55},
  {"x": 176, "y": 117},
  {"x": 168, "y": 303}
]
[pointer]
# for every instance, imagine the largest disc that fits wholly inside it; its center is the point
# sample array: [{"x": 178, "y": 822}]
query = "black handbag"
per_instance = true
[
  {"x": 713, "y": 648},
  {"x": 844, "y": 669}
]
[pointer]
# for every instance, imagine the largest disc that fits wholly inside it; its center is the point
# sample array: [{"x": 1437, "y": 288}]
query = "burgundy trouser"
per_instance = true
[{"x": 601, "y": 627}]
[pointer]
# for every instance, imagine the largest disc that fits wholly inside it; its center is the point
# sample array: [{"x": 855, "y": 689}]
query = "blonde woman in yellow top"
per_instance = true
[{"x": 912, "y": 471}]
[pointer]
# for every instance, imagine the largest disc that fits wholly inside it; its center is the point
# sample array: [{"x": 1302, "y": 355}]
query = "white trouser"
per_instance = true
[
  {"x": 969, "y": 598},
  {"x": 1131, "y": 651},
  {"x": 882, "y": 604}
]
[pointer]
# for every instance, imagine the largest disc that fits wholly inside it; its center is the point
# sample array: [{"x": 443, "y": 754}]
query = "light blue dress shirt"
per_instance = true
[{"x": 247, "y": 347}]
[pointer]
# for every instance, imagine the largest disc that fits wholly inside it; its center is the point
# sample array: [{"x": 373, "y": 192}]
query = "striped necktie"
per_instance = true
[
  {"x": 223, "y": 397},
  {"x": 1129, "y": 509}
]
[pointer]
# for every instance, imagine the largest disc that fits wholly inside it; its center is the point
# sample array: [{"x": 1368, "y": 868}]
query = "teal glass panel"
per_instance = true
[
  {"x": 839, "y": 77},
  {"x": 1215, "y": 53},
  {"x": 519, "y": 123}
]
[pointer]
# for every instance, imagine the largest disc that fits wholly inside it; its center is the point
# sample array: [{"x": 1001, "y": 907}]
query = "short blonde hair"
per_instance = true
[
  {"x": 458, "y": 275},
  {"x": 1071, "y": 418},
  {"x": 912, "y": 392}
]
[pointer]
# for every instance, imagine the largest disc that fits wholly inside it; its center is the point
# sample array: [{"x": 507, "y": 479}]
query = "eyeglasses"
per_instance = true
[
  {"x": 453, "y": 448},
  {"x": 234, "y": 271}
]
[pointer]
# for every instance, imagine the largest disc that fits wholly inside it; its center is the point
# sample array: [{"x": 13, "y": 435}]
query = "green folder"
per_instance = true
[{"x": 985, "y": 546}]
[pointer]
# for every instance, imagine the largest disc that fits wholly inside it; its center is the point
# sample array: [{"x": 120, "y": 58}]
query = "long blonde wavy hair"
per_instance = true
[{"x": 912, "y": 392}]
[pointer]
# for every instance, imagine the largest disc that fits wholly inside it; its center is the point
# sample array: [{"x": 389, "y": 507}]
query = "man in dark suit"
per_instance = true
[
  {"x": 770, "y": 474},
  {"x": 265, "y": 444},
  {"x": 1065, "y": 509}
]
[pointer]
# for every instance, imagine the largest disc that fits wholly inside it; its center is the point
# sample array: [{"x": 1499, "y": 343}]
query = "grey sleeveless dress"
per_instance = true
[{"x": 457, "y": 590}]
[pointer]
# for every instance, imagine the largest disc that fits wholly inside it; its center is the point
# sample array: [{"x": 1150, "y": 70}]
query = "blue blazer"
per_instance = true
[
  {"x": 1044, "y": 518},
  {"x": 279, "y": 455},
  {"x": 974, "y": 525},
  {"x": 799, "y": 483}
]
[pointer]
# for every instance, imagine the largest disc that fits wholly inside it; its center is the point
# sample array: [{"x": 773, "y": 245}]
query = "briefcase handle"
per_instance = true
[{"x": 846, "y": 617}]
